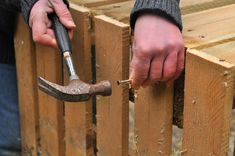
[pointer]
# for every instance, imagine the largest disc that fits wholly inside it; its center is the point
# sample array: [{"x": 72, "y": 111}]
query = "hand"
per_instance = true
[
  {"x": 158, "y": 51},
  {"x": 41, "y": 25}
]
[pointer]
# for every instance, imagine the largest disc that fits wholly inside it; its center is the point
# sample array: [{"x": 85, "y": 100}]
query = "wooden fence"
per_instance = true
[{"x": 54, "y": 128}]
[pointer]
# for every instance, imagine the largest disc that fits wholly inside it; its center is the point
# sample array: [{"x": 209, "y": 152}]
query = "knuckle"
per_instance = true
[
  {"x": 142, "y": 51},
  {"x": 147, "y": 51},
  {"x": 180, "y": 44},
  {"x": 65, "y": 13},
  {"x": 155, "y": 75},
  {"x": 171, "y": 44},
  {"x": 155, "y": 78},
  {"x": 36, "y": 38},
  {"x": 180, "y": 69},
  {"x": 169, "y": 73},
  {"x": 160, "y": 50},
  {"x": 175, "y": 44},
  {"x": 141, "y": 78},
  {"x": 55, "y": 2}
]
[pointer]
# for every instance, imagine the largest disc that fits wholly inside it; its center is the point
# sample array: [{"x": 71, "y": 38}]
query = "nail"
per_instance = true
[
  {"x": 123, "y": 82},
  {"x": 72, "y": 24}
]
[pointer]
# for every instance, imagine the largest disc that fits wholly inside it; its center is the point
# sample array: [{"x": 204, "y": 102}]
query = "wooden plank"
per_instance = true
[
  {"x": 224, "y": 51},
  {"x": 209, "y": 26},
  {"x": 78, "y": 116},
  {"x": 153, "y": 121},
  {"x": 112, "y": 48},
  {"x": 26, "y": 80},
  {"x": 184, "y": 3},
  {"x": 192, "y": 6},
  {"x": 95, "y": 3},
  {"x": 199, "y": 29},
  {"x": 209, "y": 91},
  {"x": 119, "y": 11},
  {"x": 51, "y": 119}
]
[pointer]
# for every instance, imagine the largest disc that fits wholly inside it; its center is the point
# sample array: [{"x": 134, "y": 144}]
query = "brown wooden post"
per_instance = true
[
  {"x": 112, "y": 40},
  {"x": 78, "y": 116},
  {"x": 26, "y": 79},
  {"x": 51, "y": 116},
  {"x": 153, "y": 121},
  {"x": 209, "y": 88}
]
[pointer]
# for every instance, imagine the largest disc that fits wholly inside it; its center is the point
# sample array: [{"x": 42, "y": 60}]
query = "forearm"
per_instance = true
[{"x": 166, "y": 8}]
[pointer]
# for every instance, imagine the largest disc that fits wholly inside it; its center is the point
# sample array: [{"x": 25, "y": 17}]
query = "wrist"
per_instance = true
[{"x": 150, "y": 17}]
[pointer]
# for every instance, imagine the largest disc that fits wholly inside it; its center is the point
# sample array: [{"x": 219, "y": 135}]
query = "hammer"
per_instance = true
[{"x": 76, "y": 90}]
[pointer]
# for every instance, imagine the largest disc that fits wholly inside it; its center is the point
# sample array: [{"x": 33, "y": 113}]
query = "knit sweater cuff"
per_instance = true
[
  {"x": 26, "y": 6},
  {"x": 167, "y": 8}
]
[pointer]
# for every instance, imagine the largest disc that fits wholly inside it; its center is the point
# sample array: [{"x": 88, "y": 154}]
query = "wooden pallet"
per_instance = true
[{"x": 55, "y": 128}]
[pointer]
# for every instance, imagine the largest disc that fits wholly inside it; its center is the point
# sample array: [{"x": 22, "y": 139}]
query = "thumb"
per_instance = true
[{"x": 63, "y": 13}]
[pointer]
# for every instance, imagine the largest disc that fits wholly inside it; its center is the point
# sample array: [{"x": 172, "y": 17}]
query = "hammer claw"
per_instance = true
[{"x": 76, "y": 91}]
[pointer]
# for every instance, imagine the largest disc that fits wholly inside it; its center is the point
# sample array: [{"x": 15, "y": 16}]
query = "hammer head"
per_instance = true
[{"x": 76, "y": 90}]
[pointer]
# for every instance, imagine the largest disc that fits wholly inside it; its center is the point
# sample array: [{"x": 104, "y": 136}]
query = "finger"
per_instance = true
[
  {"x": 40, "y": 32},
  {"x": 181, "y": 62},
  {"x": 170, "y": 66},
  {"x": 51, "y": 33},
  {"x": 63, "y": 13},
  {"x": 70, "y": 34},
  {"x": 180, "y": 66},
  {"x": 155, "y": 73},
  {"x": 139, "y": 71},
  {"x": 49, "y": 24}
]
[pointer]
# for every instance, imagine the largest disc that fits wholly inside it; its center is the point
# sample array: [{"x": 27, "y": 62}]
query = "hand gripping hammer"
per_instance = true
[{"x": 76, "y": 90}]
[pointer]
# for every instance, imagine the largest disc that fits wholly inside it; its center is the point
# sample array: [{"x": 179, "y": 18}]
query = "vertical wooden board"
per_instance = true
[
  {"x": 234, "y": 149},
  {"x": 51, "y": 117},
  {"x": 153, "y": 120},
  {"x": 26, "y": 80},
  {"x": 78, "y": 116},
  {"x": 112, "y": 51},
  {"x": 209, "y": 87}
]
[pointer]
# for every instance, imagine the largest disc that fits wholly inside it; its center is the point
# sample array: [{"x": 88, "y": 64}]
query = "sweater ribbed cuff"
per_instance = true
[
  {"x": 26, "y": 6},
  {"x": 167, "y": 8}
]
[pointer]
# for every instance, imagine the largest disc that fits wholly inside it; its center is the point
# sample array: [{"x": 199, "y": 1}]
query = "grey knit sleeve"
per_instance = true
[
  {"x": 26, "y": 6},
  {"x": 167, "y": 8}
]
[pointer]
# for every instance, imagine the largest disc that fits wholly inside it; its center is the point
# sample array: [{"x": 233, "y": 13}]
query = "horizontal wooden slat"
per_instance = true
[
  {"x": 207, "y": 27},
  {"x": 95, "y": 3},
  {"x": 192, "y": 6}
]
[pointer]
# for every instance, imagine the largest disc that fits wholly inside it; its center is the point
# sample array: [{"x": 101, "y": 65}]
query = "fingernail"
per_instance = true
[
  {"x": 72, "y": 23},
  {"x": 54, "y": 42}
]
